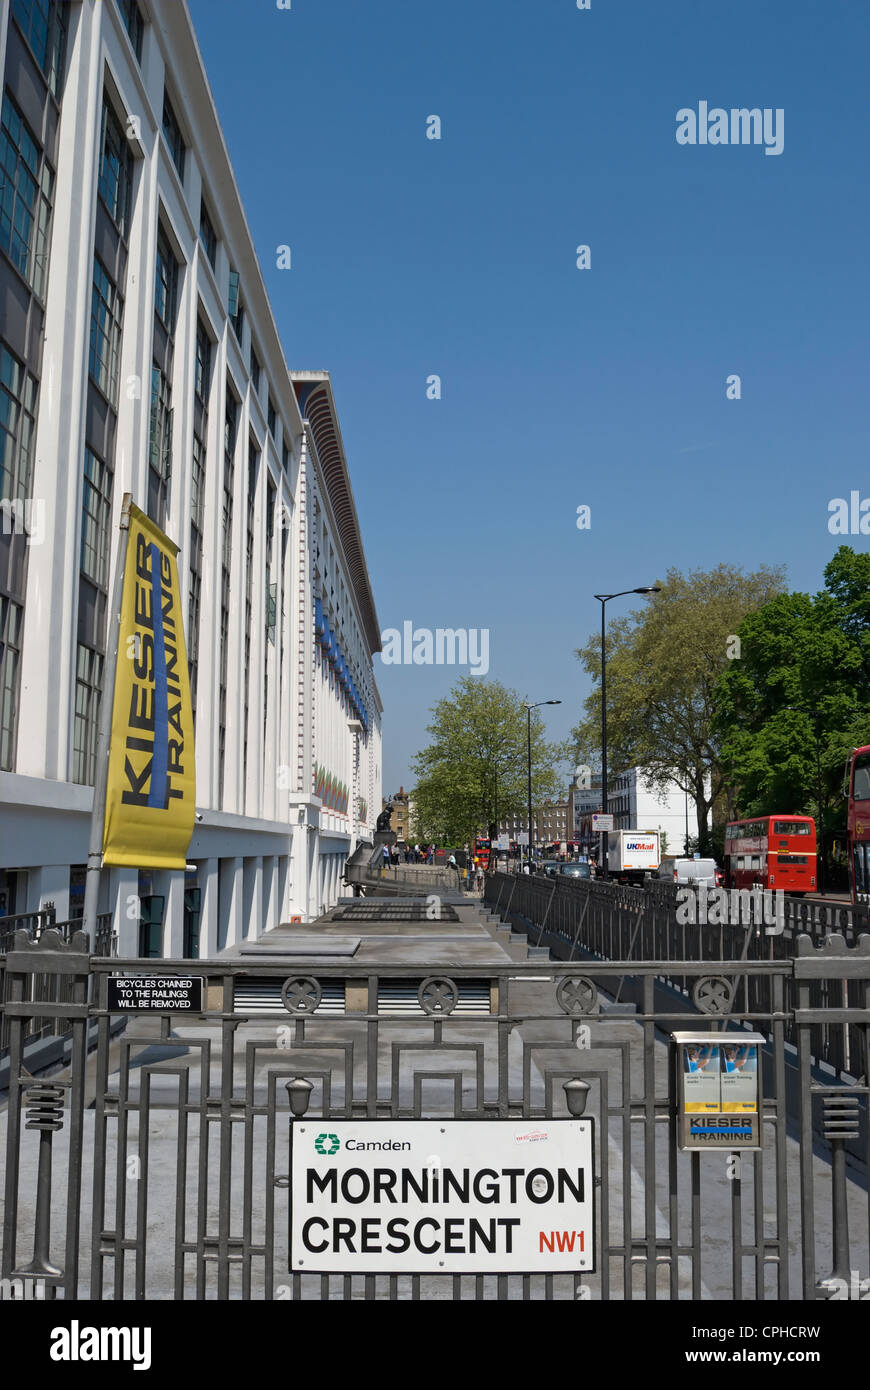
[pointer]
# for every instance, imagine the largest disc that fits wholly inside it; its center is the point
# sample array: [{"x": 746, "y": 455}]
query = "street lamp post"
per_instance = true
[
  {"x": 529, "y": 709},
  {"x": 603, "y": 600}
]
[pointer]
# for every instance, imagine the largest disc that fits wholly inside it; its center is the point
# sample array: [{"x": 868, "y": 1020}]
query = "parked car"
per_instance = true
[
  {"x": 574, "y": 870},
  {"x": 682, "y": 870}
]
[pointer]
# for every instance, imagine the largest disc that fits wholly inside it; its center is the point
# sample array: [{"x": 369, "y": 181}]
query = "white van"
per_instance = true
[{"x": 690, "y": 871}]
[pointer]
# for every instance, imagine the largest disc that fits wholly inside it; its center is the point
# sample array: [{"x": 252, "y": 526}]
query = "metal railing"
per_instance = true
[
  {"x": 48, "y": 988},
  {"x": 202, "y": 1108},
  {"x": 578, "y": 919}
]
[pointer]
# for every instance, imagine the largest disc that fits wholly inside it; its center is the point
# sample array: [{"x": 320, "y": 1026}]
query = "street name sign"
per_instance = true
[
  {"x": 164, "y": 994},
  {"x": 442, "y": 1196},
  {"x": 602, "y": 822}
]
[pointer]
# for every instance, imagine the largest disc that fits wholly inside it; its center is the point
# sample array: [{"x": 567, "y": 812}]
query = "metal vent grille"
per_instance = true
[
  {"x": 386, "y": 911},
  {"x": 400, "y": 997},
  {"x": 262, "y": 998}
]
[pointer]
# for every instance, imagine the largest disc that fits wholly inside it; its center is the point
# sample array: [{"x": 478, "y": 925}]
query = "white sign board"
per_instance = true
[
  {"x": 522, "y": 837},
  {"x": 503, "y": 842},
  {"x": 442, "y": 1196},
  {"x": 602, "y": 822},
  {"x": 639, "y": 851}
]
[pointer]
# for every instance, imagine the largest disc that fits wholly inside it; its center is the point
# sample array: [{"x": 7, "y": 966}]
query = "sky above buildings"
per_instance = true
[{"x": 561, "y": 387}]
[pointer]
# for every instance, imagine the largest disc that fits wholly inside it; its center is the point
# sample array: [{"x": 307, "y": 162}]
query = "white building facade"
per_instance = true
[
  {"x": 635, "y": 804},
  {"x": 139, "y": 353}
]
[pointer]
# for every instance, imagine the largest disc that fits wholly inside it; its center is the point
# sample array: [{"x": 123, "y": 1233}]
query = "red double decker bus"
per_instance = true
[
  {"x": 772, "y": 852},
  {"x": 857, "y": 790}
]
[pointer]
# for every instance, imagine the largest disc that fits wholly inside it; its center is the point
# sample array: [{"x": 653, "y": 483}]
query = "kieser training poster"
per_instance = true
[{"x": 151, "y": 787}]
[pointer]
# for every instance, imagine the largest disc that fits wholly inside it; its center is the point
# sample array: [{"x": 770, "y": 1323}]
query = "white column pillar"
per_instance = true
[
  {"x": 50, "y": 883},
  {"x": 124, "y": 906},
  {"x": 173, "y": 913},
  {"x": 253, "y": 924},
  {"x": 232, "y": 894},
  {"x": 208, "y": 921}
]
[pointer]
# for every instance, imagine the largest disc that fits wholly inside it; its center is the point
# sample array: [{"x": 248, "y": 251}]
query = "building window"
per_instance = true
[
  {"x": 174, "y": 138},
  {"x": 285, "y": 458},
  {"x": 271, "y": 417},
  {"x": 255, "y": 370},
  {"x": 166, "y": 284},
  {"x": 116, "y": 170},
  {"x": 197, "y": 484},
  {"x": 160, "y": 449},
  {"x": 134, "y": 24},
  {"x": 96, "y": 517},
  {"x": 43, "y": 24},
  {"x": 18, "y": 390},
  {"x": 10, "y": 652},
  {"x": 231, "y": 418},
  {"x": 202, "y": 371},
  {"x": 89, "y": 684},
  {"x": 26, "y": 192},
  {"x": 234, "y": 306},
  {"x": 253, "y": 472},
  {"x": 107, "y": 310},
  {"x": 207, "y": 234}
]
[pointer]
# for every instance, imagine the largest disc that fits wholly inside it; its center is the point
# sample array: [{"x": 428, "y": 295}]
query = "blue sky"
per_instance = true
[{"x": 561, "y": 387}]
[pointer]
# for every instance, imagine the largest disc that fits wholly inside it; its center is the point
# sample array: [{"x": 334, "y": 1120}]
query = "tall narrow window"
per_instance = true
[
  {"x": 93, "y": 592},
  {"x": 207, "y": 234},
  {"x": 202, "y": 385},
  {"x": 234, "y": 306},
  {"x": 255, "y": 370},
  {"x": 166, "y": 284},
  {"x": 43, "y": 24},
  {"x": 165, "y": 312},
  {"x": 174, "y": 138},
  {"x": 231, "y": 419},
  {"x": 89, "y": 684},
  {"x": 10, "y": 654},
  {"x": 160, "y": 450},
  {"x": 107, "y": 308},
  {"x": 18, "y": 392},
  {"x": 253, "y": 471},
  {"x": 116, "y": 170},
  {"x": 26, "y": 194},
  {"x": 271, "y": 597},
  {"x": 96, "y": 516},
  {"x": 134, "y": 24}
]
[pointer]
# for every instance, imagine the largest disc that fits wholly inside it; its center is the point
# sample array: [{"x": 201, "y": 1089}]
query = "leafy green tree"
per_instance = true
[
  {"x": 789, "y": 712},
  {"x": 477, "y": 761},
  {"x": 663, "y": 663}
]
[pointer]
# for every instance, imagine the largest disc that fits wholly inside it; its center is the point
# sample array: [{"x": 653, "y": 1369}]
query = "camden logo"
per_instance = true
[{"x": 327, "y": 1144}]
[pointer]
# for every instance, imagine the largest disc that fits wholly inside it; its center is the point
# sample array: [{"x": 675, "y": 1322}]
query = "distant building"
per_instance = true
[
  {"x": 635, "y": 804},
  {"x": 550, "y": 823},
  {"x": 400, "y": 818}
]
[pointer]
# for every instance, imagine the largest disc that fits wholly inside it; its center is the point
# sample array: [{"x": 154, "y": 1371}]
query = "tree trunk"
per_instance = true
[{"x": 702, "y": 806}]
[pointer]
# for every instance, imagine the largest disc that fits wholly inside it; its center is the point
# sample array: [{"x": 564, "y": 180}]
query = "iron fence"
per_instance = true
[
  {"x": 172, "y": 1181},
  {"x": 576, "y": 918},
  {"x": 49, "y": 988}
]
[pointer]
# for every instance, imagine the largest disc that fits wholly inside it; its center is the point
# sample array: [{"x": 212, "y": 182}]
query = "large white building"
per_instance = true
[
  {"x": 635, "y": 804},
  {"x": 139, "y": 353}
]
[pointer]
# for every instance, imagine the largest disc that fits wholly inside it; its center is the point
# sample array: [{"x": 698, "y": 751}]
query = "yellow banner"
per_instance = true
[{"x": 151, "y": 788}]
